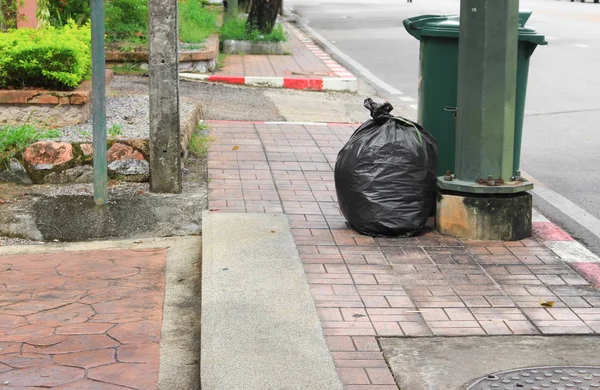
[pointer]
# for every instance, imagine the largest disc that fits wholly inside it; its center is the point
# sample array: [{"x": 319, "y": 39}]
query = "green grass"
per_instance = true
[
  {"x": 221, "y": 60},
  {"x": 14, "y": 139},
  {"x": 128, "y": 68},
  {"x": 196, "y": 23},
  {"x": 236, "y": 29},
  {"x": 115, "y": 130},
  {"x": 200, "y": 141}
]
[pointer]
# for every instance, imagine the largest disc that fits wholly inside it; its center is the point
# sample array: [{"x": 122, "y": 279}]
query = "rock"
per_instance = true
[
  {"x": 87, "y": 149},
  {"x": 139, "y": 144},
  {"x": 119, "y": 151},
  {"x": 186, "y": 66},
  {"x": 212, "y": 65},
  {"x": 130, "y": 170},
  {"x": 200, "y": 67},
  {"x": 15, "y": 173},
  {"x": 77, "y": 174},
  {"x": 144, "y": 66},
  {"x": 46, "y": 155}
]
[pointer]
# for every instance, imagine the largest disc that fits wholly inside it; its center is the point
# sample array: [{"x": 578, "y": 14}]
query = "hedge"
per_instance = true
[{"x": 52, "y": 58}]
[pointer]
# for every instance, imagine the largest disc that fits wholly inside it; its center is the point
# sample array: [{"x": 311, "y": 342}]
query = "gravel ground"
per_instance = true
[{"x": 129, "y": 114}]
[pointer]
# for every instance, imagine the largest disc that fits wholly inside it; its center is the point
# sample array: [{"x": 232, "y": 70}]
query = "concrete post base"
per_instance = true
[{"x": 484, "y": 217}]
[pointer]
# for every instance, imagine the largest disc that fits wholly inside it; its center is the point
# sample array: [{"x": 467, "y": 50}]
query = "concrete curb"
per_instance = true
[{"x": 348, "y": 84}]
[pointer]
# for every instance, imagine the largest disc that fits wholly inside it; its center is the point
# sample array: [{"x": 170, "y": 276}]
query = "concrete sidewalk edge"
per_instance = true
[{"x": 260, "y": 328}]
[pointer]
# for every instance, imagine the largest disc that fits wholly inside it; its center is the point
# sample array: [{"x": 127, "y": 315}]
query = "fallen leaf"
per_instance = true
[
  {"x": 546, "y": 303},
  {"x": 3, "y": 201},
  {"x": 235, "y": 148}
]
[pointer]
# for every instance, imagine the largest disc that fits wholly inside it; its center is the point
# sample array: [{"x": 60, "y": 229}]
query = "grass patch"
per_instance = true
[
  {"x": 221, "y": 60},
  {"x": 236, "y": 29},
  {"x": 14, "y": 139},
  {"x": 196, "y": 22},
  {"x": 115, "y": 130},
  {"x": 126, "y": 68},
  {"x": 200, "y": 141}
]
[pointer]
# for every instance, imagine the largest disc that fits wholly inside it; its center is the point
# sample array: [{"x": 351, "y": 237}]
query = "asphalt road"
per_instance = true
[{"x": 561, "y": 142}]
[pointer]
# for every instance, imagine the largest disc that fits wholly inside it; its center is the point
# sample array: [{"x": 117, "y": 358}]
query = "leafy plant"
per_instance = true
[
  {"x": 126, "y": 18},
  {"x": 129, "y": 68},
  {"x": 196, "y": 22},
  {"x": 200, "y": 141},
  {"x": 115, "y": 130},
  {"x": 55, "y": 58},
  {"x": 236, "y": 29},
  {"x": 14, "y": 139}
]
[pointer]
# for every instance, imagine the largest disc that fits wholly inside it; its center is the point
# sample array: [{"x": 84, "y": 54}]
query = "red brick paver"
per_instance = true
[
  {"x": 306, "y": 60},
  {"x": 81, "y": 320},
  {"x": 367, "y": 287}
]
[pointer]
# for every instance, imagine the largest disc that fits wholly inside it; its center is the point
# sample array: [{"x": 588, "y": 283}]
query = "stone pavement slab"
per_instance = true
[
  {"x": 366, "y": 288},
  {"x": 260, "y": 329},
  {"x": 435, "y": 363},
  {"x": 79, "y": 316}
]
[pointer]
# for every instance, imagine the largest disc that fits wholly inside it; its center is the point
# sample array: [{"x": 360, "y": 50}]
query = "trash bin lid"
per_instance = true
[{"x": 448, "y": 26}]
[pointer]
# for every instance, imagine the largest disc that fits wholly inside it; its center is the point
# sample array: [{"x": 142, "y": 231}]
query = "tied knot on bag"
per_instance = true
[{"x": 378, "y": 110}]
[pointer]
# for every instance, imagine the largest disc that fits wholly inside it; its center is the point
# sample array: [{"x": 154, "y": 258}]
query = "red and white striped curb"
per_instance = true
[
  {"x": 586, "y": 263},
  {"x": 311, "y": 84}
]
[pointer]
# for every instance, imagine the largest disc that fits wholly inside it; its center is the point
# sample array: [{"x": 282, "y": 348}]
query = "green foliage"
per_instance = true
[
  {"x": 13, "y": 139},
  {"x": 236, "y": 30},
  {"x": 127, "y": 19},
  {"x": 54, "y": 58},
  {"x": 200, "y": 141},
  {"x": 63, "y": 10},
  {"x": 8, "y": 13},
  {"x": 196, "y": 22},
  {"x": 115, "y": 130},
  {"x": 129, "y": 68}
]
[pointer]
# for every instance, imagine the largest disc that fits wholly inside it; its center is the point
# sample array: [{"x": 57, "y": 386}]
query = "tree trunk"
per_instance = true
[
  {"x": 244, "y": 5},
  {"x": 263, "y": 15}
]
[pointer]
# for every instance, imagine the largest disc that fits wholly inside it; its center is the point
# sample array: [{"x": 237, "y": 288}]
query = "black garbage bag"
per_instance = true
[{"x": 385, "y": 175}]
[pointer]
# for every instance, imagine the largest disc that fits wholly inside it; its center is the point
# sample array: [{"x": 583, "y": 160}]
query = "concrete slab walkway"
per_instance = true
[
  {"x": 364, "y": 287},
  {"x": 79, "y": 316}
]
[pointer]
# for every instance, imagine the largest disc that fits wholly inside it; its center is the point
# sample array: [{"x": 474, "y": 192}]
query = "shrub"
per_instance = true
[
  {"x": 127, "y": 20},
  {"x": 53, "y": 58},
  {"x": 236, "y": 29}
]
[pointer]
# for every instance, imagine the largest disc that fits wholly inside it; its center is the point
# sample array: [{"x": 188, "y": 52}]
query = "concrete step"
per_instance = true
[{"x": 260, "y": 328}]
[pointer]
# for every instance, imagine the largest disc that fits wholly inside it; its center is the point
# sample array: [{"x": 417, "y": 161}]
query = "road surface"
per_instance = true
[{"x": 561, "y": 142}]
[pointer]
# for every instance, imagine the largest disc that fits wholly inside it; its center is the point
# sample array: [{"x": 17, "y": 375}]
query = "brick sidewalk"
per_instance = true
[
  {"x": 307, "y": 67},
  {"x": 306, "y": 60},
  {"x": 367, "y": 287},
  {"x": 81, "y": 320}
]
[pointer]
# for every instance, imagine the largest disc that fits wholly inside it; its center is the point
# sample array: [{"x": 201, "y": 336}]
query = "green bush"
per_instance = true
[
  {"x": 53, "y": 58},
  {"x": 127, "y": 20},
  {"x": 236, "y": 29},
  {"x": 61, "y": 11}
]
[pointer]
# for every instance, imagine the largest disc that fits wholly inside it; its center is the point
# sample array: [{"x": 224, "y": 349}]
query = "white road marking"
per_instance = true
[
  {"x": 406, "y": 99},
  {"x": 414, "y": 106},
  {"x": 581, "y": 45},
  {"x": 343, "y": 57}
]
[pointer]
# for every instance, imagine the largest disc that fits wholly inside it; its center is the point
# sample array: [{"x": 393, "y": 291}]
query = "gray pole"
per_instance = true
[
  {"x": 99, "y": 102},
  {"x": 165, "y": 145}
]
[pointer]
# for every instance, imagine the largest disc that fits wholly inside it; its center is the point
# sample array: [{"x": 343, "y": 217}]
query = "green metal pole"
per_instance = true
[
  {"x": 99, "y": 102},
  {"x": 487, "y": 77}
]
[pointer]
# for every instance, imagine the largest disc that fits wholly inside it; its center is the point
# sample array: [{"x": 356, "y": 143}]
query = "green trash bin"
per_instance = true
[{"x": 438, "y": 80}]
